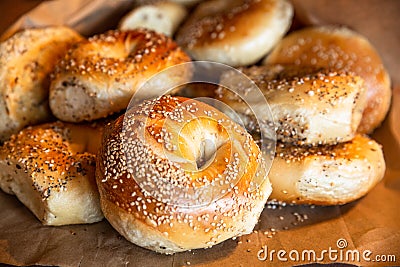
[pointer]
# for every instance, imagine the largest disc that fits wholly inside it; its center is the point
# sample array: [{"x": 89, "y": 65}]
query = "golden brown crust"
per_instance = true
[
  {"x": 309, "y": 105},
  {"x": 26, "y": 60},
  {"x": 50, "y": 168},
  {"x": 342, "y": 49},
  {"x": 326, "y": 175},
  {"x": 98, "y": 77},
  {"x": 166, "y": 136},
  {"x": 238, "y": 32}
]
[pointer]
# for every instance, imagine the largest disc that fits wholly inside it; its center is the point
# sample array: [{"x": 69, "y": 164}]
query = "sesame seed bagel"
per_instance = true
[
  {"x": 26, "y": 60},
  {"x": 98, "y": 76},
  {"x": 51, "y": 170},
  {"x": 326, "y": 175},
  {"x": 175, "y": 174},
  {"x": 238, "y": 32},
  {"x": 309, "y": 105},
  {"x": 342, "y": 49}
]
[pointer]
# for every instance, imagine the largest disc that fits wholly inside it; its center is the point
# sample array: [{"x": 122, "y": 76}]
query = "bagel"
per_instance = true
[
  {"x": 341, "y": 49},
  {"x": 162, "y": 17},
  {"x": 51, "y": 170},
  {"x": 175, "y": 174},
  {"x": 326, "y": 175},
  {"x": 26, "y": 60},
  {"x": 309, "y": 105},
  {"x": 98, "y": 77},
  {"x": 236, "y": 33}
]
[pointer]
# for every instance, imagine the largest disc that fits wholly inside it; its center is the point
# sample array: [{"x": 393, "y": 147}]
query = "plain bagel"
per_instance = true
[
  {"x": 237, "y": 33},
  {"x": 51, "y": 170},
  {"x": 167, "y": 150},
  {"x": 98, "y": 76},
  {"x": 26, "y": 61},
  {"x": 342, "y": 49}
]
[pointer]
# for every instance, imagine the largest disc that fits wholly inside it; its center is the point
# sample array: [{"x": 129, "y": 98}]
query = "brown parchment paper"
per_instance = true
[{"x": 371, "y": 223}]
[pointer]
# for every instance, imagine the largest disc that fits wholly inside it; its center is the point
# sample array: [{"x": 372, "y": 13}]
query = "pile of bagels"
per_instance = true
[{"x": 172, "y": 173}]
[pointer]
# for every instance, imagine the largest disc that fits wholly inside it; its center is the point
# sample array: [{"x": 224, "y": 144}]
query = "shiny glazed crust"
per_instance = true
[
  {"x": 238, "y": 32},
  {"x": 164, "y": 138},
  {"x": 98, "y": 77}
]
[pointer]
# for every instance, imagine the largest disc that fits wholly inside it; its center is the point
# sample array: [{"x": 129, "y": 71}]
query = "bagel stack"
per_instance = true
[
  {"x": 320, "y": 158},
  {"x": 50, "y": 167},
  {"x": 340, "y": 49},
  {"x": 174, "y": 174}
]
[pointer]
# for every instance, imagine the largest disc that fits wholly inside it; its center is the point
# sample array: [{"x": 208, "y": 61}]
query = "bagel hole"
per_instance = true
[
  {"x": 208, "y": 150},
  {"x": 201, "y": 139}
]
